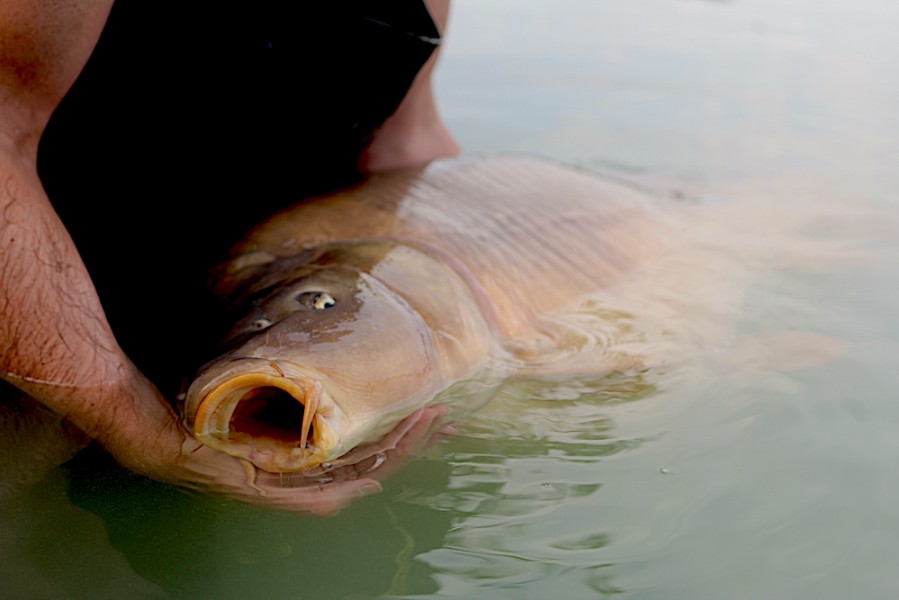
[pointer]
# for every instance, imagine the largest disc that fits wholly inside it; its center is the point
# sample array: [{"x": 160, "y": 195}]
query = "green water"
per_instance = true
[{"x": 705, "y": 478}]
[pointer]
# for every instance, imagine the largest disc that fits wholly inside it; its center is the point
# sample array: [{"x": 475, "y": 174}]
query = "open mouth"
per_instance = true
[
  {"x": 271, "y": 413},
  {"x": 274, "y": 421}
]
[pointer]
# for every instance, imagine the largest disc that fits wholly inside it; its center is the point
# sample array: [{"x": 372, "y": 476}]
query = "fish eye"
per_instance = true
[
  {"x": 261, "y": 323},
  {"x": 316, "y": 300}
]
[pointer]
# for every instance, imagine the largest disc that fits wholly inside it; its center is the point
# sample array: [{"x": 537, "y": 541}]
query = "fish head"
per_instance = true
[{"x": 328, "y": 351}]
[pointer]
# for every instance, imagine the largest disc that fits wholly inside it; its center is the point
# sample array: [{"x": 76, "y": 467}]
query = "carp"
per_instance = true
[{"x": 353, "y": 310}]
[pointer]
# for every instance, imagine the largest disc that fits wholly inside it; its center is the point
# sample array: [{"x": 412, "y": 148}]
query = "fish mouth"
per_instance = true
[{"x": 279, "y": 422}]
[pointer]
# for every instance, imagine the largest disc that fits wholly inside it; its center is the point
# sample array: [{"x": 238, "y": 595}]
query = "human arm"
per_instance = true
[
  {"x": 415, "y": 134},
  {"x": 55, "y": 343}
]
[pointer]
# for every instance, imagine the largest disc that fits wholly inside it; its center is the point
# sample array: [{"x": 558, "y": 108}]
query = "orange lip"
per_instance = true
[{"x": 271, "y": 420}]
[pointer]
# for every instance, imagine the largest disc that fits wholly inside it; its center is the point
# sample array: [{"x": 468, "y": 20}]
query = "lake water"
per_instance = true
[{"x": 758, "y": 462}]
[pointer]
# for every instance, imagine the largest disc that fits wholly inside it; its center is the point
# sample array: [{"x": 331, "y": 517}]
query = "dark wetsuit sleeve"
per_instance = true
[{"x": 193, "y": 120}]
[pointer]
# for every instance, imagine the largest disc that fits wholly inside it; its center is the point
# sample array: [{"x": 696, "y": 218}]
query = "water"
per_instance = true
[{"x": 757, "y": 463}]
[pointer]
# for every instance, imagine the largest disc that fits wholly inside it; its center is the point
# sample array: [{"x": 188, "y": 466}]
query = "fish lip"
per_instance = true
[{"x": 211, "y": 404}]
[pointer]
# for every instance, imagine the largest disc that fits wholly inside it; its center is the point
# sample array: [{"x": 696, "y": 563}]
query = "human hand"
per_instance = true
[{"x": 175, "y": 457}]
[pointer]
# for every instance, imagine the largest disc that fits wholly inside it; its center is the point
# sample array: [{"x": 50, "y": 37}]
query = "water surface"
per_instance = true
[{"x": 758, "y": 460}]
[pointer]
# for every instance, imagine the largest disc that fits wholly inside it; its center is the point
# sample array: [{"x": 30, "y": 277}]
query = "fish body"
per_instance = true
[{"x": 351, "y": 311}]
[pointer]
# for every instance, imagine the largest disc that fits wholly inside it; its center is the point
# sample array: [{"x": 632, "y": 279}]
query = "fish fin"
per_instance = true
[{"x": 785, "y": 351}]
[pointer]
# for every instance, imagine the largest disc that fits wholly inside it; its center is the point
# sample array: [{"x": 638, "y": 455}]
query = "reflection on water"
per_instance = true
[
  {"x": 523, "y": 469},
  {"x": 199, "y": 547},
  {"x": 750, "y": 450},
  {"x": 52, "y": 549}
]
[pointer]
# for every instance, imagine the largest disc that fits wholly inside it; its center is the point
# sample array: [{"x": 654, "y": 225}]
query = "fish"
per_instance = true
[{"x": 350, "y": 311}]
